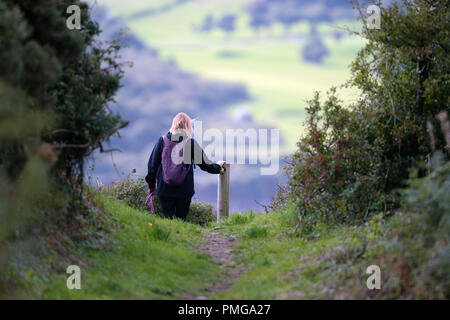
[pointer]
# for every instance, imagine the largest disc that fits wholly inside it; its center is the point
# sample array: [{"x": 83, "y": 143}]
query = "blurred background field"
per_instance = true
[{"x": 272, "y": 56}]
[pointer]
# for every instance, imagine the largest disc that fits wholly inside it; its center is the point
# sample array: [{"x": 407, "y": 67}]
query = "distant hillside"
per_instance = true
[
  {"x": 154, "y": 90},
  {"x": 228, "y": 77}
]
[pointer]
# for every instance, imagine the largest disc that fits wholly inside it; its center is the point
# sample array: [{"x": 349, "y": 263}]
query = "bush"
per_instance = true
[
  {"x": 430, "y": 196},
  {"x": 332, "y": 174},
  {"x": 352, "y": 159},
  {"x": 79, "y": 79},
  {"x": 402, "y": 76},
  {"x": 134, "y": 193},
  {"x": 421, "y": 238},
  {"x": 201, "y": 213},
  {"x": 55, "y": 87}
]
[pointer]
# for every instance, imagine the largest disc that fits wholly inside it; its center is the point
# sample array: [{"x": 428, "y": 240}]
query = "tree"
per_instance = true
[
  {"x": 66, "y": 74},
  {"x": 314, "y": 50},
  {"x": 207, "y": 24},
  {"x": 403, "y": 74},
  {"x": 288, "y": 14},
  {"x": 227, "y": 23},
  {"x": 351, "y": 159},
  {"x": 55, "y": 87},
  {"x": 260, "y": 17}
]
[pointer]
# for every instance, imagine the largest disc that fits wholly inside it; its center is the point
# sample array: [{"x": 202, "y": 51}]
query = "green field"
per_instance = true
[{"x": 268, "y": 63}]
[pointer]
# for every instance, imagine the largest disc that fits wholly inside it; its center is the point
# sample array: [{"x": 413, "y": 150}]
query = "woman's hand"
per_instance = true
[{"x": 221, "y": 163}]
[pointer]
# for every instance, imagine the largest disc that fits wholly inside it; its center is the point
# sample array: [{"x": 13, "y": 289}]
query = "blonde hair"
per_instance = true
[{"x": 181, "y": 124}]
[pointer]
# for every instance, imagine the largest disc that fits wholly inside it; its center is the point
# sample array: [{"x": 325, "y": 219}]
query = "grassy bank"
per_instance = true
[
  {"x": 332, "y": 264},
  {"x": 148, "y": 258},
  {"x": 283, "y": 266}
]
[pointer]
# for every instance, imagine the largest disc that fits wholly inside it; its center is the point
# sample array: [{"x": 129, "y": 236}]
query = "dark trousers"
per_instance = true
[{"x": 175, "y": 207}]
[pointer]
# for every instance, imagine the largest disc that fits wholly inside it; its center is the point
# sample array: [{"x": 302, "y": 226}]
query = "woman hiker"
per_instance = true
[{"x": 171, "y": 167}]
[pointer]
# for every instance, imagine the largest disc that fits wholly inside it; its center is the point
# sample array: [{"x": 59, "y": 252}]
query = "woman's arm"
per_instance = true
[
  {"x": 206, "y": 164},
  {"x": 153, "y": 163}
]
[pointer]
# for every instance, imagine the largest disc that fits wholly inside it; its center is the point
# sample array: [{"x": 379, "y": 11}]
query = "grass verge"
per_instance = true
[
  {"x": 333, "y": 263},
  {"x": 148, "y": 258}
]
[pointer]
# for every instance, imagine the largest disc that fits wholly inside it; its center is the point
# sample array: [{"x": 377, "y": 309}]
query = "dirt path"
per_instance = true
[{"x": 219, "y": 247}]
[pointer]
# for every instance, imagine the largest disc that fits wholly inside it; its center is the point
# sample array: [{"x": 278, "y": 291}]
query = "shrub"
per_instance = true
[
  {"x": 55, "y": 87},
  {"x": 402, "y": 75},
  {"x": 201, "y": 213},
  {"x": 352, "y": 159},
  {"x": 282, "y": 197},
  {"x": 79, "y": 78},
  {"x": 134, "y": 193},
  {"x": 421, "y": 238},
  {"x": 430, "y": 196},
  {"x": 332, "y": 173}
]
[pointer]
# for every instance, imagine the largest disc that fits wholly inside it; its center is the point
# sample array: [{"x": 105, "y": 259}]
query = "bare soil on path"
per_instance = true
[{"x": 220, "y": 248}]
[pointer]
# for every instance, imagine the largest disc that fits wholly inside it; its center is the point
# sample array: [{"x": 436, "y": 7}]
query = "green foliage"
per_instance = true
[
  {"x": 403, "y": 74},
  {"x": 430, "y": 196},
  {"x": 411, "y": 250},
  {"x": 160, "y": 233},
  {"x": 64, "y": 73},
  {"x": 201, "y": 213},
  {"x": 37, "y": 250},
  {"x": 332, "y": 172},
  {"x": 352, "y": 159},
  {"x": 239, "y": 218},
  {"x": 55, "y": 87},
  {"x": 154, "y": 261},
  {"x": 133, "y": 192},
  {"x": 85, "y": 119},
  {"x": 256, "y": 231},
  {"x": 19, "y": 198}
]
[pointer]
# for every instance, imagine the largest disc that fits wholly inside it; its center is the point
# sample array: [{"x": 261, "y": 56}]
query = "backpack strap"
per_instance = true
[{"x": 192, "y": 153}]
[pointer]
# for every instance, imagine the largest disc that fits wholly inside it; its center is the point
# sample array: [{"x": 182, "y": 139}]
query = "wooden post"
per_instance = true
[{"x": 223, "y": 194}]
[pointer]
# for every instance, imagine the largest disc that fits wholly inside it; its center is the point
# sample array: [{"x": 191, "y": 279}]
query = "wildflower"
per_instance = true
[{"x": 150, "y": 224}]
